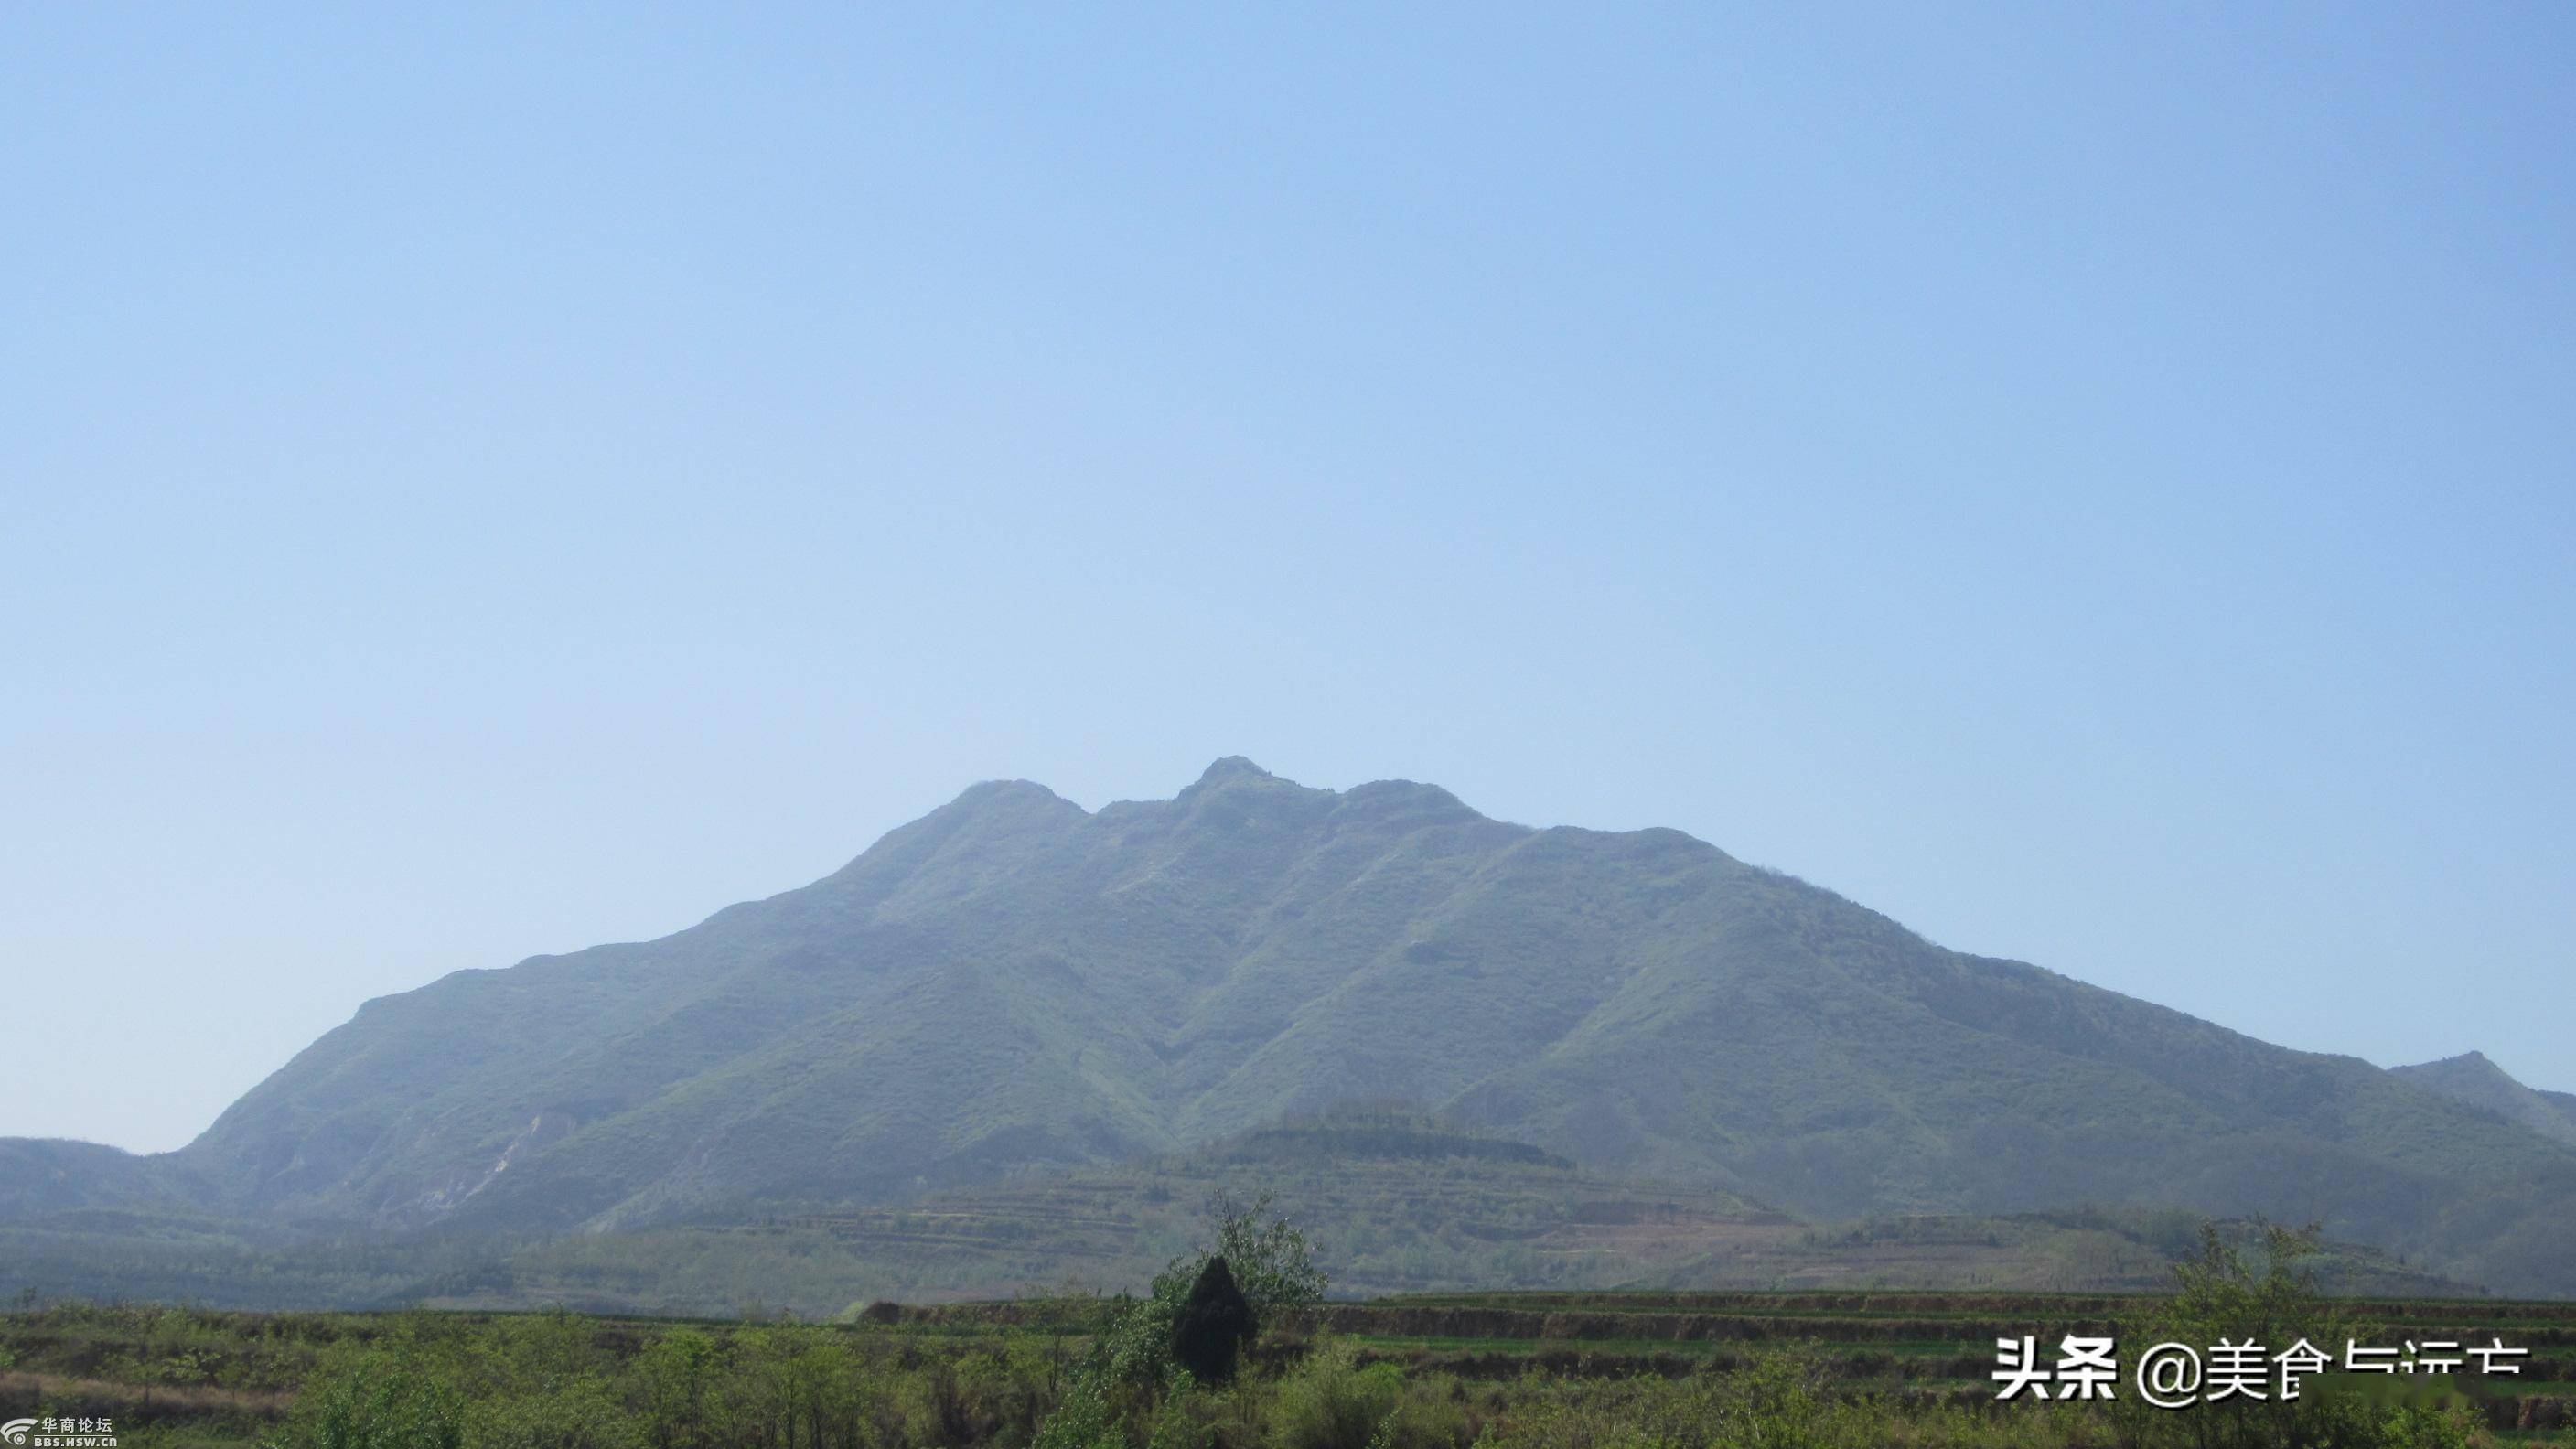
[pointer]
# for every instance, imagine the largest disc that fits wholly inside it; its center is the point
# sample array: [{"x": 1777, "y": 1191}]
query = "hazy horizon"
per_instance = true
[{"x": 2091, "y": 486}]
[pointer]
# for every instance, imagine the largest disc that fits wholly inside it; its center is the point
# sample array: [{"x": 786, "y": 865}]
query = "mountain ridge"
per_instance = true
[
  {"x": 1013, "y": 983},
  {"x": 2471, "y": 1078}
]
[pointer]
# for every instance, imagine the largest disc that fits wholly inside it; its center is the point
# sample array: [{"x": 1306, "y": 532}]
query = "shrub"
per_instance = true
[
  {"x": 1213, "y": 1324},
  {"x": 1328, "y": 1402},
  {"x": 375, "y": 1402}
]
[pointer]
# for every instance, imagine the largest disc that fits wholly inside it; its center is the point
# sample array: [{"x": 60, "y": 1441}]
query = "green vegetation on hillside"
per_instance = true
[
  {"x": 2474, "y": 1081},
  {"x": 1012, "y": 989},
  {"x": 1412, "y": 1205}
]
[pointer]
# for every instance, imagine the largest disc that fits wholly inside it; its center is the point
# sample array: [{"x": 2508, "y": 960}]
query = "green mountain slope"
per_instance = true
[
  {"x": 1012, "y": 983},
  {"x": 1401, "y": 1204},
  {"x": 1410, "y": 1203},
  {"x": 45, "y": 1175},
  {"x": 2471, "y": 1078}
]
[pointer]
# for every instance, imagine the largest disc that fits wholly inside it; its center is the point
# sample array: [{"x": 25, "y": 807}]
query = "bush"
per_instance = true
[
  {"x": 373, "y": 1401},
  {"x": 1212, "y": 1326},
  {"x": 570, "y": 1416},
  {"x": 2260, "y": 1289},
  {"x": 1270, "y": 1259},
  {"x": 1328, "y": 1402}
]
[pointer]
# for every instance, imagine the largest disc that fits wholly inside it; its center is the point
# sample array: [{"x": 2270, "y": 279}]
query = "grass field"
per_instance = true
[{"x": 1445, "y": 1369}]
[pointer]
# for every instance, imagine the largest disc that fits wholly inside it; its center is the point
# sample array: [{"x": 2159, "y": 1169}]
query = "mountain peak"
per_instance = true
[
  {"x": 1234, "y": 774},
  {"x": 2470, "y": 1077},
  {"x": 1006, "y": 804},
  {"x": 2465, "y": 1064},
  {"x": 991, "y": 792},
  {"x": 1233, "y": 767}
]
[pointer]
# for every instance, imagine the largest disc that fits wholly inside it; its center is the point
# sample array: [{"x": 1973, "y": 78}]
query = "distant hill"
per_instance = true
[
  {"x": 1013, "y": 986},
  {"x": 2471, "y": 1078},
  {"x": 42, "y": 1175}
]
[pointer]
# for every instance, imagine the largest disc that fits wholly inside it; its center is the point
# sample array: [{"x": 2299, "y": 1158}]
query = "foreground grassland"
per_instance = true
[{"x": 1504, "y": 1370}]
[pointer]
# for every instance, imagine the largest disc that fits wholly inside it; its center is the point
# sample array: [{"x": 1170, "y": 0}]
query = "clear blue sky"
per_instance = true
[{"x": 2096, "y": 484}]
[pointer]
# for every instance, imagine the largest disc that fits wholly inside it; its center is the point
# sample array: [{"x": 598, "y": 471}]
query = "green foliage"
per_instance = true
[
  {"x": 378, "y": 1401},
  {"x": 1276, "y": 1275},
  {"x": 1212, "y": 1325},
  {"x": 579, "y": 1414},
  {"x": 1328, "y": 1402},
  {"x": 678, "y": 1373},
  {"x": 2256, "y": 1286},
  {"x": 1136, "y": 1348},
  {"x": 1189, "y": 1328},
  {"x": 1082, "y": 1420},
  {"x": 1888, "y": 1373},
  {"x": 2473, "y": 1080},
  {"x": 1774, "y": 1402},
  {"x": 2236, "y": 1287},
  {"x": 1267, "y": 1256}
]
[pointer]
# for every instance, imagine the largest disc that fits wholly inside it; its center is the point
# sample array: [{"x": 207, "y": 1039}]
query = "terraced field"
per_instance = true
[
  {"x": 1897, "y": 1343},
  {"x": 1416, "y": 1205},
  {"x": 172, "y": 1377}
]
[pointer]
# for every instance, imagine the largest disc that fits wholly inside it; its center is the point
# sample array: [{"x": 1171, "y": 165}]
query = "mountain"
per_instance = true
[
  {"x": 1402, "y": 1203},
  {"x": 2471, "y": 1078},
  {"x": 1399, "y": 1201},
  {"x": 42, "y": 1175},
  {"x": 1014, "y": 984}
]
